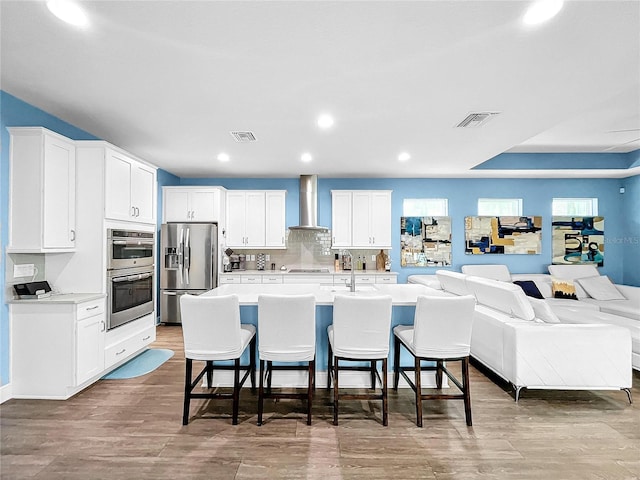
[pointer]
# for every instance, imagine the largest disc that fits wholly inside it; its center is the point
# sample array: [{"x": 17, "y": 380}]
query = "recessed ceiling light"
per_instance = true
[
  {"x": 403, "y": 157},
  {"x": 69, "y": 12},
  {"x": 541, "y": 11},
  {"x": 325, "y": 121},
  {"x": 306, "y": 157},
  {"x": 223, "y": 157}
]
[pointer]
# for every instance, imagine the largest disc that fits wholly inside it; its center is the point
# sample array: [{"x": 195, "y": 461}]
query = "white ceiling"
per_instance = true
[{"x": 169, "y": 80}]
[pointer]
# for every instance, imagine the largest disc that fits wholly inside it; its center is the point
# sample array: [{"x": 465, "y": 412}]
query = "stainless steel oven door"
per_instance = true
[
  {"x": 130, "y": 295},
  {"x": 129, "y": 249}
]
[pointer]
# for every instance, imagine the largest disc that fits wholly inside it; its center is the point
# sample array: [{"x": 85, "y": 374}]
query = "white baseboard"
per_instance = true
[
  {"x": 298, "y": 379},
  {"x": 5, "y": 393}
]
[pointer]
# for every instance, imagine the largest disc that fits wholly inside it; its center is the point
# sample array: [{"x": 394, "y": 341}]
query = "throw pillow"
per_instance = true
[
  {"x": 543, "y": 311},
  {"x": 530, "y": 288},
  {"x": 600, "y": 288},
  {"x": 563, "y": 289}
]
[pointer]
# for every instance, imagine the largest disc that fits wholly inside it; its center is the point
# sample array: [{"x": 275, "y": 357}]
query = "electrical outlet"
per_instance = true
[
  {"x": 24, "y": 270},
  {"x": 373, "y": 258},
  {"x": 252, "y": 258},
  {"x": 267, "y": 257}
]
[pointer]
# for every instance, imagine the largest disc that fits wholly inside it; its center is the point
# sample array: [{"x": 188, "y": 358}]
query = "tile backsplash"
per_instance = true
[{"x": 305, "y": 249}]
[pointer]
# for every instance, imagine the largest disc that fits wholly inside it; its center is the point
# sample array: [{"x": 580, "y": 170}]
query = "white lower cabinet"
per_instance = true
[
  {"x": 128, "y": 339},
  {"x": 57, "y": 348}
]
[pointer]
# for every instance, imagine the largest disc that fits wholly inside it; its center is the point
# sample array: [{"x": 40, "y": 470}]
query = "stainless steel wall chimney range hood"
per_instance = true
[{"x": 308, "y": 204}]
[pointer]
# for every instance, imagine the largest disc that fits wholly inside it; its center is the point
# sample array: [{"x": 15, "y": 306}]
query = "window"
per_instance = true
[
  {"x": 496, "y": 207},
  {"x": 574, "y": 206},
  {"x": 425, "y": 207}
]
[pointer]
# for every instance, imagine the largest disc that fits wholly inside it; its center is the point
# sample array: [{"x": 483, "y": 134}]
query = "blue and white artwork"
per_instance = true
[
  {"x": 425, "y": 241},
  {"x": 578, "y": 240}
]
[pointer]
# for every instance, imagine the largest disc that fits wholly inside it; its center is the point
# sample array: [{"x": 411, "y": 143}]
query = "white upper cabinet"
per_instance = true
[
  {"x": 42, "y": 191},
  {"x": 129, "y": 189},
  {"x": 255, "y": 218},
  {"x": 361, "y": 218},
  {"x": 341, "y": 223},
  {"x": 192, "y": 204},
  {"x": 275, "y": 228}
]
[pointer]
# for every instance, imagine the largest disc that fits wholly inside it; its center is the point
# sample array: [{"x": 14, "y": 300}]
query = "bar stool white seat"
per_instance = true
[
  {"x": 360, "y": 331},
  {"x": 286, "y": 333},
  {"x": 212, "y": 331},
  {"x": 441, "y": 333}
]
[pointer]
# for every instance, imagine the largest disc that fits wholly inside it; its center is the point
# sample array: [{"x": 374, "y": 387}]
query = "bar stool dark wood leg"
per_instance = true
[
  {"x": 418, "y": 390},
  {"x": 465, "y": 391}
]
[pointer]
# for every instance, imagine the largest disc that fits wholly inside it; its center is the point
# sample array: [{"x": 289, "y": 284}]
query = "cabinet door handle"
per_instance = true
[
  {"x": 121, "y": 351},
  {"x": 146, "y": 338},
  {"x": 73, "y": 235},
  {"x": 137, "y": 212},
  {"x": 193, "y": 214},
  {"x": 133, "y": 211},
  {"x": 103, "y": 326}
]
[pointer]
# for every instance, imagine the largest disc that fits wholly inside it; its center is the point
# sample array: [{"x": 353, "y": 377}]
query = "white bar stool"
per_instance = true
[
  {"x": 360, "y": 331},
  {"x": 441, "y": 332},
  {"x": 287, "y": 333},
  {"x": 212, "y": 331}
]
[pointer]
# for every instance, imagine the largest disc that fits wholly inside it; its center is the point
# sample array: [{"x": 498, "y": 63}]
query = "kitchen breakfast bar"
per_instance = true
[{"x": 404, "y": 297}]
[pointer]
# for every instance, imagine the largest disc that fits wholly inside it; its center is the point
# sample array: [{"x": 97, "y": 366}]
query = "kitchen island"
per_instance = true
[{"x": 404, "y": 297}]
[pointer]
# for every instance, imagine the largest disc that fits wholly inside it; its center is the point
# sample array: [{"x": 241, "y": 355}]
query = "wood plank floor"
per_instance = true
[{"x": 131, "y": 429}]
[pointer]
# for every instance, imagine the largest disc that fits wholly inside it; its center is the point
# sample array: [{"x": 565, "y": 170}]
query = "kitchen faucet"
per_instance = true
[{"x": 352, "y": 285}]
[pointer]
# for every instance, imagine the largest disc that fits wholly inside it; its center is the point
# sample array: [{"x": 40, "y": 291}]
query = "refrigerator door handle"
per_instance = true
[
  {"x": 187, "y": 257},
  {"x": 181, "y": 255}
]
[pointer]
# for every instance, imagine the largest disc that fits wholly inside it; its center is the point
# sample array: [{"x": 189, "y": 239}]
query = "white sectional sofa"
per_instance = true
[
  {"x": 624, "y": 312},
  {"x": 511, "y": 338}
]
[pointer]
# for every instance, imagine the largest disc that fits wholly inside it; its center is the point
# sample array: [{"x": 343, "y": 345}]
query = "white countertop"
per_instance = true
[
  {"x": 403, "y": 294},
  {"x": 73, "y": 298},
  {"x": 288, "y": 272}
]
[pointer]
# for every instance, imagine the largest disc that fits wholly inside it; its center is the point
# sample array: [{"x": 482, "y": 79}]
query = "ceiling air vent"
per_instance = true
[
  {"x": 476, "y": 119},
  {"x": 244, "y": 136}
]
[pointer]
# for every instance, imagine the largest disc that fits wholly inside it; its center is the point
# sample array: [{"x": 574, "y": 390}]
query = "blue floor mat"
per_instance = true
[{"x": 144, "y": 363}]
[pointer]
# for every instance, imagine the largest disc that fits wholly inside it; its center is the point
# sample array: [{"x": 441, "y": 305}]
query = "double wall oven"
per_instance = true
[{"x": 130, "y": 274}]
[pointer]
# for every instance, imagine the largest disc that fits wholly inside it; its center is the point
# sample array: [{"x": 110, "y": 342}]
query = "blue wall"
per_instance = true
[
  {"x": 621, "y": 212},
  {"x": 16, "y": 113},
  {"x": 537, "y": 195}
]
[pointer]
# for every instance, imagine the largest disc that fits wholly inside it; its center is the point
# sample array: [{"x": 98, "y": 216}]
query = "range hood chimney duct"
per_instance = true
[{"x": 308, "y": 204}]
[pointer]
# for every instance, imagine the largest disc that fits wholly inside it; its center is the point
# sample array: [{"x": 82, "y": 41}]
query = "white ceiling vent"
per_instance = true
[
  {"x": 244, "y": 136},
  {"x": 476, "y": 119}
]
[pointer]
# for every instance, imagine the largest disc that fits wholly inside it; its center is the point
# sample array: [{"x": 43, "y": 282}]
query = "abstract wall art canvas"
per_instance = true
[
  {"x": 503, "y": 235},
  {"x": 577, "y": 240},
  {"x": 425, "y": 241}
]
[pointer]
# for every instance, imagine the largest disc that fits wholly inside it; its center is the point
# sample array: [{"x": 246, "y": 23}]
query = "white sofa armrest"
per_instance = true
[
  {"x": 427, "y": 280},
  {"x": 630, "y": 292},
  {"x": 567, "y": 356}
]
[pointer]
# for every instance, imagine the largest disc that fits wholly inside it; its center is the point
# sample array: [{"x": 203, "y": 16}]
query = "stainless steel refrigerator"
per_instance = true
[{"x": 188, "y": 264}]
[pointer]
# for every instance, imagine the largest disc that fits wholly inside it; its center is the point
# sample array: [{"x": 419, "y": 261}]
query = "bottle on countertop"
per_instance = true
[
  {"x": 336, "y": 263},
  {"x": 364, "y": 262}
]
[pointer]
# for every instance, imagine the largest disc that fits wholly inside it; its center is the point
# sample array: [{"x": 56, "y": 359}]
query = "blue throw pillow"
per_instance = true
[{"x": 530, "y": 288}]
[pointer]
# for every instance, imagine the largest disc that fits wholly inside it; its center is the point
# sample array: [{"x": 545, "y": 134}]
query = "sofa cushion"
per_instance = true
[
  {"x": 600, "y": 288},
  {"x": 542, "y": 281},
  {"x": 501, "y": 296},
  {"x": 563, "y": 289},
  {"x": 624, "y": 308},
  {"x": 529, "y": 287},
  {"x": 573, "y": 272},
  {"x": 453, "y": 282},
  {"x": 427, "y": 280},
  {"x": 543, "y": 311},
  {"x": 495, "y": 272}
]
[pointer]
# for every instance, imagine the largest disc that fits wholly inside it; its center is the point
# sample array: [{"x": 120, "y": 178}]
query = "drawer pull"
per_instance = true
[
  {"x": 92, "y": 308},
  {"x": 121, "y": 351},
  {"x": 146, "y": 338}
]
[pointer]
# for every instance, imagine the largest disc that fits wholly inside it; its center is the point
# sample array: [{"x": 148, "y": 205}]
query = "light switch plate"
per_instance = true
[
  {"x": 24, "y": 270},
  {"x": 373, "y": 258},
  {"x": 267, "y": 257}
]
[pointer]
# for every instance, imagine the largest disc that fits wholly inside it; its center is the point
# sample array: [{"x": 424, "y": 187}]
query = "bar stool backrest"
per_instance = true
[
  {"x": 442, "y": 326},
  {"x": 211, "y": 327},
  {"x": 287, "y": 327},
  {"x": 361, "y": 326}
]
